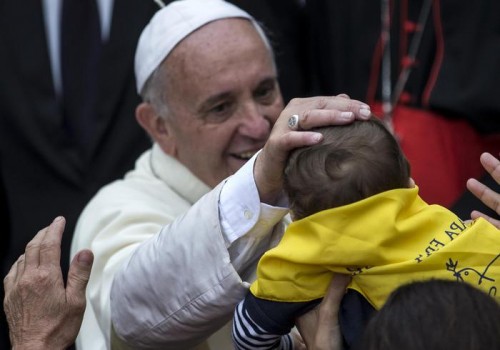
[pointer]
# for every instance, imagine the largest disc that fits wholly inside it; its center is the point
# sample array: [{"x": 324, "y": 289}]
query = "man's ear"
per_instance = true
[
  {"x": 156, "y": 126},
  {"x": 150, "y": 120}
]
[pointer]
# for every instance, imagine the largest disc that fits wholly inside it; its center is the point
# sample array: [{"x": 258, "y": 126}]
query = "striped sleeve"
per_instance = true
[{"x": 247, "y": 334}]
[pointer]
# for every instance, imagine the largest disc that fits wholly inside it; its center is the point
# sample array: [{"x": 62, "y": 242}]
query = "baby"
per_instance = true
[{"x": 357, "y": 211}]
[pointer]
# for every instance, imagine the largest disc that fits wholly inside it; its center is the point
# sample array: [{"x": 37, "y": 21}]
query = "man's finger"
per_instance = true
[
  {"x": 485, "y": 194},
  {"x": 323, "y": 117},
  {"x": 9, "y": 280},
  {"x": 338, "y": 286},
  {"x": 344, "y": 96},
  {"x": 492, "y": 165},
  {"x": 50, "y": 246},
  {"x": 19, "y": 266},
  {"x": 361, "y": 110},
  {"x": 78, "y": 276},
  {"x": 477, "y": 214},
  {"x": 336, "y": 292},
  {"x": 32, "y": 251}
]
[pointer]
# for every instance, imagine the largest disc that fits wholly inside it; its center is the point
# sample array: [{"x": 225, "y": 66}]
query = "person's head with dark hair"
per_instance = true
[
  {"x": 353, "y": 162},
  {"x": 435, "y": 314}
]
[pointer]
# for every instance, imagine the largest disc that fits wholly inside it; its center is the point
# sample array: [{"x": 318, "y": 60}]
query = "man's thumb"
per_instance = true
[{"x": 79, "y": 274}]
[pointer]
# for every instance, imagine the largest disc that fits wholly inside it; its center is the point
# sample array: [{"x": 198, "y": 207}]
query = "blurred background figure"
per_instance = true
[
  {"x": 435, "y": 315},
  {"x": 285, "y": 24},
  {"x": 67, "y": 105},
  {"x": 67, "y": 102},
  {"x": 429, "y": 68}
]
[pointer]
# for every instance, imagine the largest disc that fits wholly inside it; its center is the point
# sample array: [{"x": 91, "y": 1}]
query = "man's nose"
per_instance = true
[{"x": 254, "y": 122}]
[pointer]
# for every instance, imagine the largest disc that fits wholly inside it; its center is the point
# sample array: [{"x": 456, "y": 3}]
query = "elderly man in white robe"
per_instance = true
[{"x": 176, "y": 241}]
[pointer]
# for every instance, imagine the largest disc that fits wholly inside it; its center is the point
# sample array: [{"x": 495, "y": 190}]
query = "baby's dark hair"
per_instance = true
[{"x": 353, "y": 162}]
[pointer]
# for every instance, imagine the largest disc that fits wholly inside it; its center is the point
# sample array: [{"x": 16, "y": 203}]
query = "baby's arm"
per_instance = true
[
  {"x": 264, "y": 324},
  {"x": 250, "y": 333}
]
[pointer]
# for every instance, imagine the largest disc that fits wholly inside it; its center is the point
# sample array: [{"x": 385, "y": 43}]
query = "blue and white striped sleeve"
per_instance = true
[{"x": 248, "y": 335}]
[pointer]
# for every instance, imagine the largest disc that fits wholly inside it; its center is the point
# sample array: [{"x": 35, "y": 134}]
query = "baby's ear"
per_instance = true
[{"x": 411, "y": 183}]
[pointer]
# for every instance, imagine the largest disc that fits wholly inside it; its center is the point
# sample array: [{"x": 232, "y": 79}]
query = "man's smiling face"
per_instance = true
[{"x": 223, "y": 98}]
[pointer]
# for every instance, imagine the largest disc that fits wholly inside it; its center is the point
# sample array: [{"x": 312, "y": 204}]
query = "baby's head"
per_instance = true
[{"x": 353, "y": 162}]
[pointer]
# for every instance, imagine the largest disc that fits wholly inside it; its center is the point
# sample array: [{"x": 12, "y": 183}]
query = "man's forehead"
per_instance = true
[
  {"x": 201, "y": 71},
  {"x": 216, "y": 34},
  {"x": 171, "y": 25},
  {"x": 220, "y": 49}
]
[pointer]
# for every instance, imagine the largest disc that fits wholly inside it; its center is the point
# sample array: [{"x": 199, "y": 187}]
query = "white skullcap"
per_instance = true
[{"x": 172, "y": 24}]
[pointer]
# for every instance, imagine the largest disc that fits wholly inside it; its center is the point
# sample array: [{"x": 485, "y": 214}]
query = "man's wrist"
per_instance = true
[
  {"x": 268, "y": 193},
  {"x": 36, "y": 345}
]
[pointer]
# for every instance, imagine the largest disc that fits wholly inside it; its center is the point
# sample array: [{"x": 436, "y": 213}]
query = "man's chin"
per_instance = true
[
  {"x": 230, "y": 167},
  {"x": 236, "y": 163}
]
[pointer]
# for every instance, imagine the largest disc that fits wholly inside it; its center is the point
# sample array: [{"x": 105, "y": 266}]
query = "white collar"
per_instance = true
[{"x": 176, "y": 175}]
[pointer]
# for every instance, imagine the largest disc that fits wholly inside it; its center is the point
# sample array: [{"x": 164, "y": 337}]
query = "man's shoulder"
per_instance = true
[
  {"x": 138, "y": 184},
  {"x": 130, "y": 197},
  {"x": 135, "y": 198}
]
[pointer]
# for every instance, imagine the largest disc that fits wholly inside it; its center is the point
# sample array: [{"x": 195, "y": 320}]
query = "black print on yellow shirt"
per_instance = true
[{"x": 473, "y": 276}]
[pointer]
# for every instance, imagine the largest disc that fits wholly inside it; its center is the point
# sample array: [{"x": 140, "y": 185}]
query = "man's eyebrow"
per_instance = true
[
  {"x": 212, "y": 100},
  {"x": 269, "y": 80}
]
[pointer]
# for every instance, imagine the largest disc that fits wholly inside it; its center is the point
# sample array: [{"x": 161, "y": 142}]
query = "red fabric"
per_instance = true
[{"x": 443, "y": 152}]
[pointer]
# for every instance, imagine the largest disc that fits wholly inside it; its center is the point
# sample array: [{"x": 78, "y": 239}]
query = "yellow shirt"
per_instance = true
[{"x": 384, "y": 241}]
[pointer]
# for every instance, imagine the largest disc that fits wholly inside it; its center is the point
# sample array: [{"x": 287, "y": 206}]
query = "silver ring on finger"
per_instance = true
[{"x": 293, "y": 122}]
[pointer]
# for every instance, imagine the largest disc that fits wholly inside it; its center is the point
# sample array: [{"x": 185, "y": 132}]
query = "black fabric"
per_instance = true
[
  {"x": 276, "y": 317},
  {"x": 43, "y": 171},
  {"x": 354, "y": 314},
  {"x": 80, "y": 55},
  {"x": 4, "y": 228},
  {"x": 286, "y": 26},
  {"x": 467, "y": 84},
  {"x": 342, "y": 39},
  {"x": 456, "y": 70}
]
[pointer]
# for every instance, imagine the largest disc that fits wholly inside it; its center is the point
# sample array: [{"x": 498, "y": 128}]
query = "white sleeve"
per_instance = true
[
  {"x": 244, "y": 218},
  {"x": 240, "y": 206},
  {"x": 181, "y": 285}
]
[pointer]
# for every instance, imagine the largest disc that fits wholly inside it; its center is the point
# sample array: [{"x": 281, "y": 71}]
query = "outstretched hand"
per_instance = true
[
  {"x": 41, "y": 312},
  {"x": 320, "y": 327},
  {"x": 489, "y": 197},
  {"x": 312, "y": 112}
]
